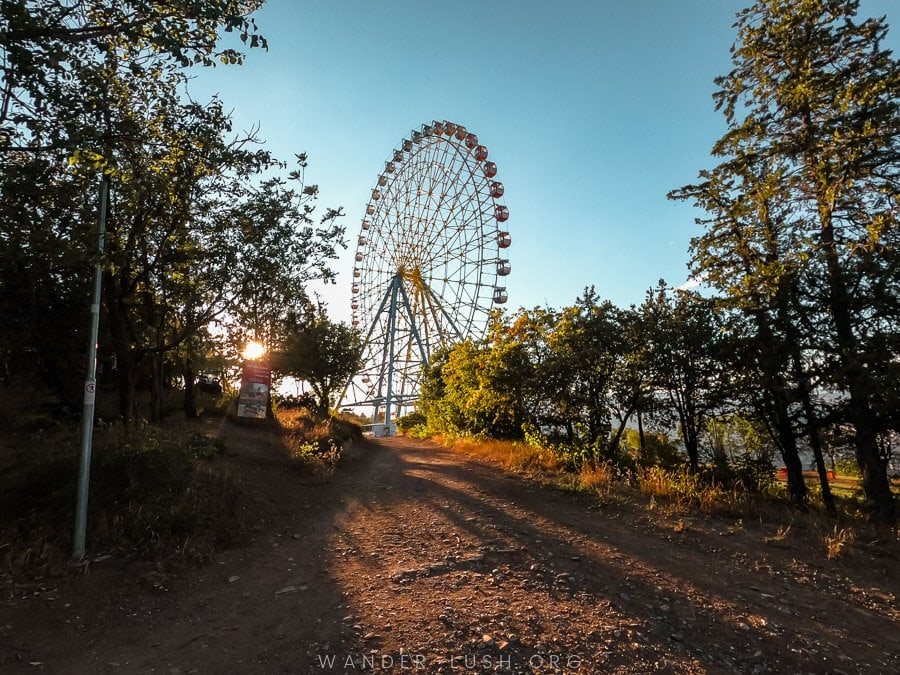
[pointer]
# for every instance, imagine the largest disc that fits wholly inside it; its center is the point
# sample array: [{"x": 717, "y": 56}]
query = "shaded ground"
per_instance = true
[{"x": 413, "y": 558}]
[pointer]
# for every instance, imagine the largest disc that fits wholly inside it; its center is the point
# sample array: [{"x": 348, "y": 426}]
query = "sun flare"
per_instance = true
[{"x": 253, "y": 350}]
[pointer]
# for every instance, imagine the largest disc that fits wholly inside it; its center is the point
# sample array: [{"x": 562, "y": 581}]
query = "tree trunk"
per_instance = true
[
  {"x": 127, "y": 382},
  {"x": 859, "y": 386},
  {"x": 156, "y": 387},
  {"x": 613, "y": 446},
  {"x": 874, "y": 471},
  {"x": 815, "y": 442},
  {"x": 126, "y": 359},
  {"x": 692, "y": 447},
  {"x": 688, "y": 433},
  {"x": 641, "y": 440},
  {"x": 787, "y": 444},
  {"x": 190, "y": 401}
]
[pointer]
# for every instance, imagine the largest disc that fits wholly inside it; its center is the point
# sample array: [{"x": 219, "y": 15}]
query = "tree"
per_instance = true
[
  {"x": 684, "y": 357},
  {"x": 481, "y": 388},
  {"x": 532, "y": 331},
  {"x": 813, "y": 106},
  {"x": 321, "y": 352},
  {"x": 742, "y": 254},
  {"x": 480, "y": 391},
  {"x": 48, "y": 44},
  {"x": 280, "y": 249},
  {"x": 631, "y": 393},
  {"x": 43, "y": 274},
  {"x": 587, "y": 345},
  {"x": 196, "y": 213}
]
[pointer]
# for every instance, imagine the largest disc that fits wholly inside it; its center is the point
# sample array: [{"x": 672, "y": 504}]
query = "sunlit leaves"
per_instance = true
[{"x": 50, "y": 45}]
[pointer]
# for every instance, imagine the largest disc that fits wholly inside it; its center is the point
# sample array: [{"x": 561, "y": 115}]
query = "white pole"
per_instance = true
[{"x": 90, "y": 386}]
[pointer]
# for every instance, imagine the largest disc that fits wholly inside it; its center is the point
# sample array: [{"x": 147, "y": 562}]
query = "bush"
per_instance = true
[
  {"x": 414, "y": 419},
  {"x": 848, "y": 467},
  {"x": 756, "y": 474},
  {"x": 658, "y": 449},
  {"x": 151, "y": 490}
]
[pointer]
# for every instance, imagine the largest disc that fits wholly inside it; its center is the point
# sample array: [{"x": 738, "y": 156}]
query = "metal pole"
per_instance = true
[
  {"x": 90, "y": 386},
  {"x": 392, "y": 327}
]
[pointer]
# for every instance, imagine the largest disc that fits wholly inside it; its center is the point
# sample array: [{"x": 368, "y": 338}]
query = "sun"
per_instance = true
[{"x": 253, "y": 350}]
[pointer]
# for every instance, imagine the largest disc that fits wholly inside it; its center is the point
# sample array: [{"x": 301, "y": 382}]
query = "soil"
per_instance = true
[{"x": 412, "y": 558}]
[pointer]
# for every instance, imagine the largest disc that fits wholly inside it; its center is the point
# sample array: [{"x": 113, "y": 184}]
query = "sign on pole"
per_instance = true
[{"x": 256, "y": 381}]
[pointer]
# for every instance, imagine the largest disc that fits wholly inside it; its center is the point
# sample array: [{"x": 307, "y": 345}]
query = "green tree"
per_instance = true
[
  {"x": 744, "y": 255},
  {"x": 586, "y": 343},
  {"x": 479, "y": 388},
  {"x": 685, "y": 359},
  {"x": 280, "y": 248},
  {"x": 63, "y": 64},
  {"x": 532, "y": 331},
  {"x": 44, "y": 274},
  {"x": 321, "y": 352},
  {"x": 631, "y": 394},
  {"x": 812, "y": 99},
  {"x": 48, "y": 44},
  {"x": 201, "y": 227}
]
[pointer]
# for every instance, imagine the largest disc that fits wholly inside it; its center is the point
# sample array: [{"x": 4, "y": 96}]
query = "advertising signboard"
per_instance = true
[{"x": 255, "y": 384}]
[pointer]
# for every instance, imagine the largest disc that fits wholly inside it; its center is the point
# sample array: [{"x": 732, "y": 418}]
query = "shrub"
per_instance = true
[
  {"x": 414, "y": 419},
  {"x": 151, "y": 490}
]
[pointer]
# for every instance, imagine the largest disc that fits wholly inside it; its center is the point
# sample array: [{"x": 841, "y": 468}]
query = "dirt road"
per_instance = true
[{"x": 415, "y": 559}]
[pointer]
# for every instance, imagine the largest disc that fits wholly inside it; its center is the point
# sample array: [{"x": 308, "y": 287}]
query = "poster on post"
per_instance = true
[{"x": 255, "y": 383}]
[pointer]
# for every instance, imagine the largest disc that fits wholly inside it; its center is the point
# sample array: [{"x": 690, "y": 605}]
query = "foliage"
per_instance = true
[
  {"x": 48, "y": 44},
  {"x": 150, "y": 490},
  {"x": 657, "y": 449},
  {"x": 803, "y": 225},
  {"x": 321, "y": 352},
  {"x": 476, "y": 390},
  {"x": 684, "y": 356},
  {"x": 681, "y": 489},
  {"x": 314, "y": 446},
  {"x": 755, "y": 473},
  {"x": 411, "y": 421},
  {"x": 584, "y": 347},
  {"x": 194, "y": 212},
  {"x": 848, "y": 468}
]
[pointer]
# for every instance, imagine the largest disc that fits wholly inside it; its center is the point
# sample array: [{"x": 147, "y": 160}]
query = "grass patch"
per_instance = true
[
  {"x": 515, "y": 457},
  {"x": 736, "y": 496},
  {"x": 682, "y": 491},
  {"x": 156, "y": 492},
  {"x": 315, "y": 447}
]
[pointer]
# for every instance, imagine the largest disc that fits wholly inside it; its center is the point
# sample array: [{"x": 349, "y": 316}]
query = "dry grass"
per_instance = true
[
  {"x": 682, "y": 491},
  {"x": 310, "y": 444},
  {"x": 515, "y": 457},
  {"x": 835, "y": 542},
  {"x": 676, "y": 493},
  {"x": 780, "y": 536},
  {"x": 596, "y": 476}
]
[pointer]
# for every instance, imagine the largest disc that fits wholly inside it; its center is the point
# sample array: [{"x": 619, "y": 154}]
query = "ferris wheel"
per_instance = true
[{"x": 430, "y": 262}]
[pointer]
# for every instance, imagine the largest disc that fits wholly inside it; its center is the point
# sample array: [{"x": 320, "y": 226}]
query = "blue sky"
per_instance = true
[{"x": 593, "y": 110}]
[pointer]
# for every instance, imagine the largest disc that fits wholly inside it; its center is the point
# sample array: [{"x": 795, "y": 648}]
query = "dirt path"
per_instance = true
[{"x": 415, "y": 559}]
